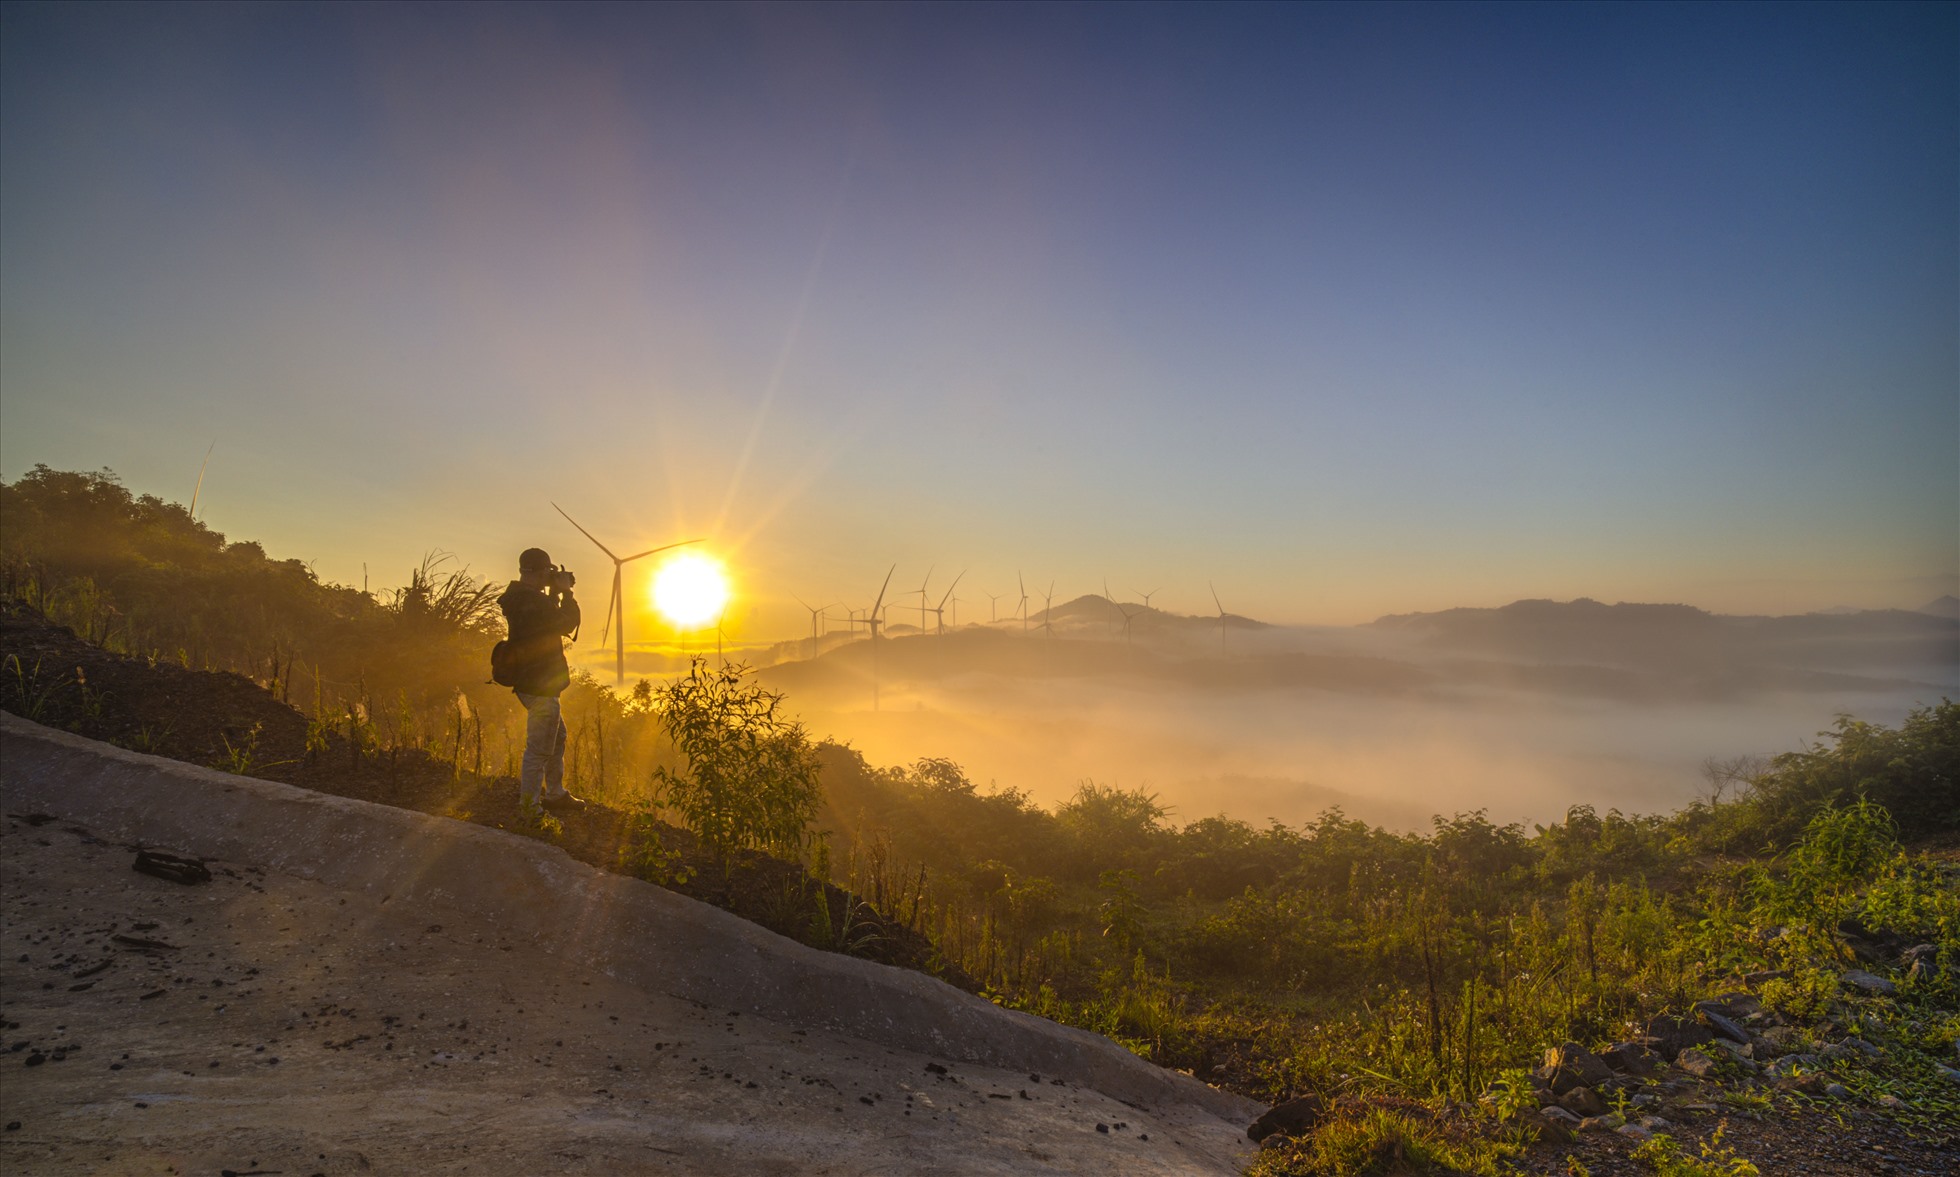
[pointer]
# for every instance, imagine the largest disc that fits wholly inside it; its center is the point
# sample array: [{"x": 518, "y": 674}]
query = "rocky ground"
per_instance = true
[{"x": 259, "y": 1023}]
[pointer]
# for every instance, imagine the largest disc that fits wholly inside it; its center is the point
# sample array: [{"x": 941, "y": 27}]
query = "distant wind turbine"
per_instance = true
[
  {"x": 872, "y": 621},
  {"x": 1146, "y": 596},
  {"x": 993, "y": 607},
  {"x": 1221, "y": 617},
  {"x": 200, "y": 479},
  {"x": 1120, "y": 608},
  {"x": 616, "y": 602},
  {"x": 1048, "y": 610},
  {"x": 939, "y": 611},
  {"x": 1023, "y": 582},
  {"x": 923, "y": 597},
  {"x": 815, "y": 613}
]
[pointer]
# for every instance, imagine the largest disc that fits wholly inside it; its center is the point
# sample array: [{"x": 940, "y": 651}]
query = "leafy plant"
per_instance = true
[
  {"x": 1665, "y": 1156},
  {"x": 749, "y": 777}
]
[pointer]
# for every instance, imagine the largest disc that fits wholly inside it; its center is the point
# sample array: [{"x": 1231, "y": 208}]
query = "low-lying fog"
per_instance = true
[{"x": 1521, "y": 711}]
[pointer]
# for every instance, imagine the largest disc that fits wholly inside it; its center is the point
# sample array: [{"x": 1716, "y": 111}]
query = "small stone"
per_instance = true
[
  {"x": 1103, "y": 1128},
  {"x": 1837, "y": 1091},
  {"x": 1559, "y": 1116},
  {"x": 1869, "y": 983},
  {"x": 1635, "y": 1133},
  {"x": 1630, "y": 1058},
  {"x": 1610, "y": 1122},
  {"x": 1725, "y": 1026},
  {"x": 1754, "y": 979},
  {"x": 1295, "y": 1117},
  {"x": 1947, "y": 1073},
  {"x": 1548, "y": 1128},
  {"x": 1583, "y": 1102},
  {"x": 1695, "y": 1063},
  {"x": 1570, "y": 1065},
  {"x": 1891, "y": 1101}
]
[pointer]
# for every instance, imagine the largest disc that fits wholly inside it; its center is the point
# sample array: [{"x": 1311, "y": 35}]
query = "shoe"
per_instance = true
[{"x": 559, "y": 799}]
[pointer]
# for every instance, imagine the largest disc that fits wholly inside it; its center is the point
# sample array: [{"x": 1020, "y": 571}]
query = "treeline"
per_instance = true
[{"x": 404, "y": 667}]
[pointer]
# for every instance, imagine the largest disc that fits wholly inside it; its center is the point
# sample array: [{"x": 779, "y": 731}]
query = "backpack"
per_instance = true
[{"x": 503, "y": 664}]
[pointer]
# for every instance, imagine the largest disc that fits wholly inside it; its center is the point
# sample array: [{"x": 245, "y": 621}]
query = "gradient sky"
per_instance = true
[{"x": 1349, "y": 309}]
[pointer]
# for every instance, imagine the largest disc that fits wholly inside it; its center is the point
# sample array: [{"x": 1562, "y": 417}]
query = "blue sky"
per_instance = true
[{"x": 1349, "y": 309}]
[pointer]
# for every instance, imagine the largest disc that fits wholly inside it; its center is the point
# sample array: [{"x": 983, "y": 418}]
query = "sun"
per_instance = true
[{"x": 690, "y": 589}]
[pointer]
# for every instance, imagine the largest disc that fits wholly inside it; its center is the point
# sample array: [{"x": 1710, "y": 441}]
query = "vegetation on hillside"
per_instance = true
[{"x": 1422, "y": 973}]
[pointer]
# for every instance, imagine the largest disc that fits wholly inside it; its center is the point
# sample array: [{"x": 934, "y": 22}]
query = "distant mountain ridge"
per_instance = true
[{"x": 1648, "y": 635}]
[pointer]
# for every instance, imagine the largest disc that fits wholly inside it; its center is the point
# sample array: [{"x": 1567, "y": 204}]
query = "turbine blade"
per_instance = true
[
  {"x": 1214, "y": 598},
  {"x": 582, "y": 531},
  {"x": 612, "y": 599},
  {"x": 951, "y": 587},
  {"x": 881, "y": 591},
  {"x": 661, "y": 548}
]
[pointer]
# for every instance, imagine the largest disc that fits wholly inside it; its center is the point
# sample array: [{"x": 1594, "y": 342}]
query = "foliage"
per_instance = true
[
  {"x": 1377, "y": 1141},
  {"x": 748, "y": 777},
  {"x": 1665, "y": 1156}
]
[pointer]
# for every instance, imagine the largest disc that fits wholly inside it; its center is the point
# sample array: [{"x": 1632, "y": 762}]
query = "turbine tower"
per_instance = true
[
  {"x": 616, "y": 601},
  {"x": 1023, "y": 582},
  {"x": 993, "y": 607}
]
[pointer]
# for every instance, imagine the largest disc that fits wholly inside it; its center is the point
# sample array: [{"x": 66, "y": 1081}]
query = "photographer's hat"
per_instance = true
[{"x": 534, "y": 560}]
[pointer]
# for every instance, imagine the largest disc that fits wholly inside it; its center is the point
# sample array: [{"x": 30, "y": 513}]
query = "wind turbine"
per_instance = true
[
  {"x": 939, "y": 611},
  {"x": 1146, "y": 596},
  {"x": 200, "y": 480},
  {"x": 873, "y": 621},
  {"x": 921, "y": 590},
  {"x": 1023, "y": 582},
  {"x": 814, "y": 614},
  {"x": 993, "y": 607},
  {"x": 616, "y": 601},
  {"x": 1221, "y": 617},
  {"x": 1048, "y": 611},
  {"x": 1120, "y": 609}
]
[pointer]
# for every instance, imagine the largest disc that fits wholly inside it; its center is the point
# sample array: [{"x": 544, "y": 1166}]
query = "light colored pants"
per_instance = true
[{"x": 544, "y": 748}]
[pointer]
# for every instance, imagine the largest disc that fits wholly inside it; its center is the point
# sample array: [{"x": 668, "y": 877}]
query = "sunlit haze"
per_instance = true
[{"x": 1345, "y": 310}]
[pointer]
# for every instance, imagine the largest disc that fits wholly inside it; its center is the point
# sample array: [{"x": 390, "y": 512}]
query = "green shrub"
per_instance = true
[{"x": 748, "y": 778}]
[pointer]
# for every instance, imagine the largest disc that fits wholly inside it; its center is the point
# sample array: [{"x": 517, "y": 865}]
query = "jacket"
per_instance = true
[{"x": 537, "y": 621}]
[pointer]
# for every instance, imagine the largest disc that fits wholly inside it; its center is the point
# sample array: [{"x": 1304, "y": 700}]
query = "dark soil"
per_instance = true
[{"x": 222, "y": 720}]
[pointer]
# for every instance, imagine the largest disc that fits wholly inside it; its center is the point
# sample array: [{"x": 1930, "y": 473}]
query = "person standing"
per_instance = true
[{"x": 540, "y": 610}]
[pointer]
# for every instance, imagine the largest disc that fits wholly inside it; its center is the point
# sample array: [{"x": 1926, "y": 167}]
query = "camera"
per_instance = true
[{"x": 560, "y": 580}]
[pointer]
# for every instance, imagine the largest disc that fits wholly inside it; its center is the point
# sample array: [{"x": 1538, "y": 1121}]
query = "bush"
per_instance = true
[{"x": 749, "y": 778}]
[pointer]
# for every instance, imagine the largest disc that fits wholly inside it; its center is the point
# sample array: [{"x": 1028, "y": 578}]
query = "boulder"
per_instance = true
[
  {"x": 1583, "y": 1101},
  {"x": 1947, "y": 1073},
  {"x": 1559, "y": 1115},
  {"x": 1635, "y": 1133},
  {"x": 1670, "y": 1035},
  {"x": 1869, "y": 983},
  {"x": 1695, "y": 1063},
  {"x": 1295, "y": 1117},
  {"x": 1630, "y": 1058},
  {"x": 1571, "y": 1065},
  {"x": 1806, "y": 1084},
  {"x": 1609, "y": 1122}
]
